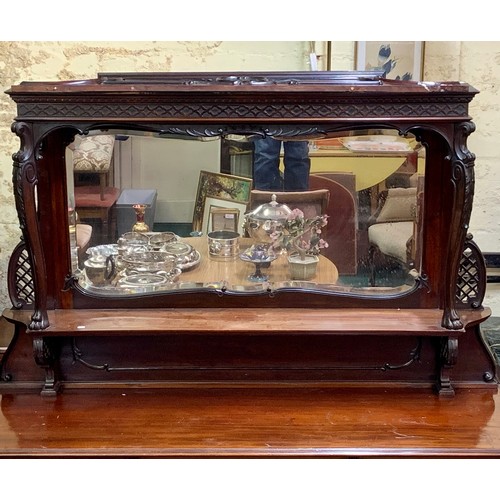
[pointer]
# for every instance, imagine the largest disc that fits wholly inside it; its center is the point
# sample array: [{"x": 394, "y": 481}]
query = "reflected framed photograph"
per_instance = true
[
  {"x": 397, "y": 60},
  {"x": 224, "y": 219},
  {"x": 222, "y": 191},
  {"x": 220, "y": 214}
]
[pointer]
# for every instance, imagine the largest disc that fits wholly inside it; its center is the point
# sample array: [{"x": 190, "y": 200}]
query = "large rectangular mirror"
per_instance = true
[{"x": 152, "y": 213}]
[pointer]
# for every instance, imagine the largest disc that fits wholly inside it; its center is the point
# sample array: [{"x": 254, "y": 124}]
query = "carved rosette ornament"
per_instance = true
[{"x": 462, "y": 182}]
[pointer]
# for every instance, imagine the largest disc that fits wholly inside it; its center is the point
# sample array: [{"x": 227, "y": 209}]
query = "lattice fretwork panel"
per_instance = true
[
  {"x": 20, "y": 279},
  {"x": 471, "y": 283}
]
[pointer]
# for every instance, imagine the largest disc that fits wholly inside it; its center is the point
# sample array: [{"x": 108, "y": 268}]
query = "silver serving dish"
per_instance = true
[
  {"x": 189, "y": 261},
  {"x": 186, "y": 257},
  {"x": 149, "y": 279},
  {"x": 178, "y": 248},
  {"x": 157, "y": 241},
  {"x": 148, "y": 261},
  {"x": 132, "y": 241},
  {"x": 145, "y": 241}
]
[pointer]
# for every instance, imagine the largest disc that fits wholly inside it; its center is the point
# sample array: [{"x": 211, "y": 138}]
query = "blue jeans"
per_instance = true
[{"x": 266, "y": 174}]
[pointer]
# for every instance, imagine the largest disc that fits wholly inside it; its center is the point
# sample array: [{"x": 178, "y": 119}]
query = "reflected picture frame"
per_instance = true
[
  {"x": 398, "y": 60},
  {"x": 228, "y": 191},
  {"x": 224, "y": 219},
  {"x": 232, "y": 213}
]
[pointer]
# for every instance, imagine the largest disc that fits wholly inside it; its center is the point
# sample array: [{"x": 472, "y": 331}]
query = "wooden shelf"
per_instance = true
[{"x": 248, "y": 321}]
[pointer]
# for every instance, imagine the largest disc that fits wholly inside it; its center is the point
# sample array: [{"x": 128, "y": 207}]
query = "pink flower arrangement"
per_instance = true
[{"x": 301, "y": 235}]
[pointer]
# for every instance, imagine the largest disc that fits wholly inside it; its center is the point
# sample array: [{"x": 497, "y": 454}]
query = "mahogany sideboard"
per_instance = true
[{"x": 420, "y": 331}]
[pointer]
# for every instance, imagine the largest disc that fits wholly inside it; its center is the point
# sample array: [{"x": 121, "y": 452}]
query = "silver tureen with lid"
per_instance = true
[{"x": 267, "y": 219}]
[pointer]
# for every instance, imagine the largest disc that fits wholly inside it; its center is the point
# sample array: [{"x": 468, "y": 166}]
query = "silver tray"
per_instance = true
[{"x": 142, "y": 280}]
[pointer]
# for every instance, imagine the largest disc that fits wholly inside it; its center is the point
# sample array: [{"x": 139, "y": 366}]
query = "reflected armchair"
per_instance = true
[
  {"x": 93, "y": 154},
  {"x": 341, "y": 232},
  {"x": 392, "y": 231}
]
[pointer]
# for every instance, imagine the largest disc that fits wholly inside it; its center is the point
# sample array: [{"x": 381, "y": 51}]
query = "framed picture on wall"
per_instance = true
[
  {"x": 228, "y": 191},
  {"x": 398, "y": 60}
]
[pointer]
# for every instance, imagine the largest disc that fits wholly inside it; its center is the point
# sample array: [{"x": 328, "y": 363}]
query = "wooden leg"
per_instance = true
[
  {"x": 105, "y": 214},
  {"x": 102, "y": 184},
  {"x": 372, "y": 252}
]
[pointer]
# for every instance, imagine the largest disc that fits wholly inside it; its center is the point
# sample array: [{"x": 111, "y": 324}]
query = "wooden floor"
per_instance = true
[{"x": 249, "y": 422}]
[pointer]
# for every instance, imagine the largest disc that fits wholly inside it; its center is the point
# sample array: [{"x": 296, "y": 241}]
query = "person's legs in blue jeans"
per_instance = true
[
  {"x": 297, "y": 166},
  {"x": 266, "y": 174}
]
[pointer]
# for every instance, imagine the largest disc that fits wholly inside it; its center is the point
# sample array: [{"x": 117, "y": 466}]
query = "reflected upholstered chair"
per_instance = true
[
  {"x": 392, "y": 231},
  {"x": 94, "y": 155},
  {"x": 83, "y": 236},
  {"x": 341, "y": 232}
]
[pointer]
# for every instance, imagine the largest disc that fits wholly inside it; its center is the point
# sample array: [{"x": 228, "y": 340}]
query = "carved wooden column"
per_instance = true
[
  {"x": 462, "y": 185},
  {"x": 25, "y": 180}
]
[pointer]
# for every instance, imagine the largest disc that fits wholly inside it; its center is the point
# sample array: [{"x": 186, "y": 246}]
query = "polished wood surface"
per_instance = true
[
  {"x": 294, "y": 421},
  {"x": 235, "y": 271}
]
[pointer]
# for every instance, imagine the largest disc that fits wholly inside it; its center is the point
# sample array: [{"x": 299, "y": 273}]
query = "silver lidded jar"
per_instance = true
[{"x": 266, "y": 220}]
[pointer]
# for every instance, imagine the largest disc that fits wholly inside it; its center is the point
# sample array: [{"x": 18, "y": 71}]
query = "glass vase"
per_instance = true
[{"x": 140, "y": 226}]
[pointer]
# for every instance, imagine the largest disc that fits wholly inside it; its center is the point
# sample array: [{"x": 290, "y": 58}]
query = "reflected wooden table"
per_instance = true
[{"x": 235, "y": 271}]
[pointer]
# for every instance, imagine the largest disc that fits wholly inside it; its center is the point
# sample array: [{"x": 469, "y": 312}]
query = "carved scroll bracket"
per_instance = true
[
  {"x": 45, "y": 357},
  {"x": 447, "y": 359}
]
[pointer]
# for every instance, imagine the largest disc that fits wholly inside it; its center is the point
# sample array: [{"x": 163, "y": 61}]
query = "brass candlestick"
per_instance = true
[{"x": 140, "y": 226}]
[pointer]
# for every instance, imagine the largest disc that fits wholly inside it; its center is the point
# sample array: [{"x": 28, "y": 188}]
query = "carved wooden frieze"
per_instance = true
[{"x": 239, "y": 110}]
